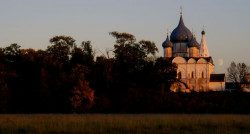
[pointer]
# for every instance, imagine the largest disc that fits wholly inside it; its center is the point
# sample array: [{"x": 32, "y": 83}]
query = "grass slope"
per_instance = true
[{"x": 124, "y": 124}]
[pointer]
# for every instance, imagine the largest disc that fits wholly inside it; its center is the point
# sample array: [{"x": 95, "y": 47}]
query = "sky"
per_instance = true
[{"x": 31, "y": 23}]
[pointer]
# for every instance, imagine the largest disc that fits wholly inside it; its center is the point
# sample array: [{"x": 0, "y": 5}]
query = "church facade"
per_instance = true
[{"x": 195, "y": 68}]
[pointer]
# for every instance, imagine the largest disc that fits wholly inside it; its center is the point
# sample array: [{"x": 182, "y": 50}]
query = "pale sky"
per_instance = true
[{"x": 31, "y": 23}]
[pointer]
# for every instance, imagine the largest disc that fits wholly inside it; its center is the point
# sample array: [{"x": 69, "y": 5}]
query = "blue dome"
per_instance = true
[
  {"x": 193, "y": 43},
  {"x": 181, "y": 33},
  {"x": 167, "y": 43}
]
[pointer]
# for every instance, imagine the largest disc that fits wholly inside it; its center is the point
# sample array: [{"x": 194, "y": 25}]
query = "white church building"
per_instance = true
[{"x": 195, "y": 68}]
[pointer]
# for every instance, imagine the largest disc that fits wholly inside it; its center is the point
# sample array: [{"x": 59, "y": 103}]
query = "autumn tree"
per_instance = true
[
  {"x": 82, "y": 98},
  {"x": 236, "y": 73}
]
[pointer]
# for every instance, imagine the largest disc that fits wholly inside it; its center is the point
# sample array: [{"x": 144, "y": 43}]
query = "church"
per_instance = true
[{"x": 195, "y": 68}]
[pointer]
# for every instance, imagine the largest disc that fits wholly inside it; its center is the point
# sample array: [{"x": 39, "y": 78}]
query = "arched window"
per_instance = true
[
  {"x": 179, "y": 75},
  {"x": 202, "y": 75},
  {"x": 192, "y": 74}
]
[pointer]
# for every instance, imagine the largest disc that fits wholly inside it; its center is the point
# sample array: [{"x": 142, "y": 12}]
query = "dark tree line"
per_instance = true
[{"x": 66, "y": 78}]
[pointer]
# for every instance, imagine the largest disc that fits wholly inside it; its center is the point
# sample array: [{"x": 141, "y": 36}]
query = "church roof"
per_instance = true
[
  {"x": 181, "y": 33},
  {"x": 208, "y": 59},
  {"x": 167, "y": 43},
  {"x": 217, "y": 77},
  {"x": 193, "y": 43}
]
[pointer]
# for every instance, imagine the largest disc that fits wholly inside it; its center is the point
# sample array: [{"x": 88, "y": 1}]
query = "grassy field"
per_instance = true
[{"x": 124, "y": 124}]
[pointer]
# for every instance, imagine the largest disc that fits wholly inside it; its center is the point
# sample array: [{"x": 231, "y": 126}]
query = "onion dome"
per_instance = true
[
  {"x": 203, "y": 32},
  {"x": 193, "y": 43},
  {"x": 167, "y": 43},
  {"x": 181, "y": 33}
]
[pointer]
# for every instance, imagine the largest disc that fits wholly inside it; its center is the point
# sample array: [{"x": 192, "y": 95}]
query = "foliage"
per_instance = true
[
  {"x": 82, "y": 98},
  {"x": 83, "y": 54},
  {"x": 128, "y": 51},
  {"x": 61, "y": 47},
  {"x": 65, "y": 78},
  {"x": 12, "y": 52}
]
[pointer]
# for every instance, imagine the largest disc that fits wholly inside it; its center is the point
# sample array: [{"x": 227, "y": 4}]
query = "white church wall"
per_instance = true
[
  {"x": 217, "y": 86},
  {"x": 195, "y": 74}
]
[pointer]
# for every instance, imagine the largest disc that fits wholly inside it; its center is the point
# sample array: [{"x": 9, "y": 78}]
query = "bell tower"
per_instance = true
[{"x": 203, "y": 46}]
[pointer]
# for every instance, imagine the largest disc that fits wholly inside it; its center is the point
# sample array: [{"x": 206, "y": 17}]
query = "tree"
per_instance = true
[
  {"x": 87, "y": 48},
  {"x": 125, "y": 42},
  {"x": 236, "y": 73},
  {"x": 148, "y": 47},
  {"x": 128, "y": 51},
  {"x": 166, "y": 73},
  {"x": 12, "y": 52},
  {"x": 4, "y": 91},
  {"x": 82, "y": 98},
  {"x": 126, "y": 46},
  {"x": 83, "y": 54},
  {"x": 61, "y": 47}
]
